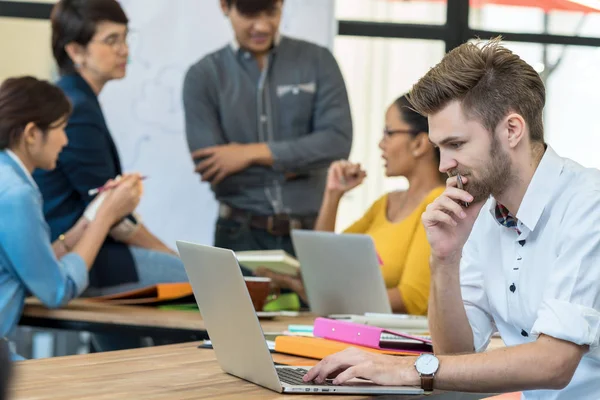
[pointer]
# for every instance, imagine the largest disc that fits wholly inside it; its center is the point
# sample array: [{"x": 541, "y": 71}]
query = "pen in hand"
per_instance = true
[
  {"x": 101, "y": 189},
  {"x": 461, "y": 187}
]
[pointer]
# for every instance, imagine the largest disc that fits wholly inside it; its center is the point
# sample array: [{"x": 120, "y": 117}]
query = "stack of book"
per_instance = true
[{"x": 330, "y": 336}]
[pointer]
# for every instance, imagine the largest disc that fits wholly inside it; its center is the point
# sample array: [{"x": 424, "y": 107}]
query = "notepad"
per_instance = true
[
  {"x": 320, "y": 348},
  {"x": 274, "y": 260},
  {"x": 402, "y": 322}
]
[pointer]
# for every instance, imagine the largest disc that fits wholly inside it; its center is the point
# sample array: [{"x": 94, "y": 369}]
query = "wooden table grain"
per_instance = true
[{"x": 180, "y": 371}]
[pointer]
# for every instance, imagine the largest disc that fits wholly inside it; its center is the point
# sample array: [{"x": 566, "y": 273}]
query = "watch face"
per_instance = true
[{"x": 427, "y": 364}]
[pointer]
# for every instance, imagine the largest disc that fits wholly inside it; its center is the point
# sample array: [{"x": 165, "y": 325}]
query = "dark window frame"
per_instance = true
[{"x": 454, "y": 32}]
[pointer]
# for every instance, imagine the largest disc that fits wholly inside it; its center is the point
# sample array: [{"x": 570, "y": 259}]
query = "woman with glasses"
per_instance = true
[
  {"x": 393, "y": 221},
  {"x": 89, "y": 43}
]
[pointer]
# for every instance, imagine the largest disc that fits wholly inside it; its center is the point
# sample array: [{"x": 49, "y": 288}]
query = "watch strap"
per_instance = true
[{"x": 427, "y": 382}]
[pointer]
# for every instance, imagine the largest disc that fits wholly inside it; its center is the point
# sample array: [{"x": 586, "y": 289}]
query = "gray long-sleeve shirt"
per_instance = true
[{"x": 297, "y": 104}]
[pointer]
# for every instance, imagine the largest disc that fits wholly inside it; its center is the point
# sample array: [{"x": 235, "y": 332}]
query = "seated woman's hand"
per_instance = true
[
  {"x": 344, "y": 176},
  {"x": 284, "y": 281},
  {"x": 123, "y": 198}
]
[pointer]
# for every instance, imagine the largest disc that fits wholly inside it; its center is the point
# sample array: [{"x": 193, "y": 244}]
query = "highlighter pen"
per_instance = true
[{"x": 101, "y": 189}]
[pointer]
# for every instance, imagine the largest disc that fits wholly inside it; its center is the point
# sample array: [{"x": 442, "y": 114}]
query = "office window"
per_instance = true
[
  {"x": 377, "y": 71},
  {"x": 570, "y": 74},
  {"x": 398, "y": 11},
  {"x": 568, "y": 17}
]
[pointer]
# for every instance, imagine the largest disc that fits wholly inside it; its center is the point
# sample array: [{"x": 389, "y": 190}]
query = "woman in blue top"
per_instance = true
[{"x": 33, "y": 116}]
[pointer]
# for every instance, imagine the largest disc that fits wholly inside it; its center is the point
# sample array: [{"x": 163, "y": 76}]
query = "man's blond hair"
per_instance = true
[{"x": 490, "y": 82}]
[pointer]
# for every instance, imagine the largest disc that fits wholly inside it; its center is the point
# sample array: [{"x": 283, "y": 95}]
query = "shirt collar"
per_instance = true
[
  {"x": 21, "y": 166},
  {"x": 235, "y": 45},
  {"x": 76, "y": 81},
  {"x": 539, "y": 191}
]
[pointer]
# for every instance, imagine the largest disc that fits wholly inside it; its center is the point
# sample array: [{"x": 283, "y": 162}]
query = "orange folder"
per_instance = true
[
  {"x": 155, "y": 294},
  {"x": 319, "y": 348}
]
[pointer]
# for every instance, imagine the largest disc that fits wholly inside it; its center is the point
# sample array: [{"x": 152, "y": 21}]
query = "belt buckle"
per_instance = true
[{"x": 278, "y": 224}]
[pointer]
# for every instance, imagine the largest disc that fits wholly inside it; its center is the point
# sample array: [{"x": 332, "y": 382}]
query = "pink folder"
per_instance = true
[{"x": 370, "y": 336}]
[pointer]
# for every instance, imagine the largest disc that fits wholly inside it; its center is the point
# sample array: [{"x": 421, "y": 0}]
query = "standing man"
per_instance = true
[
  {"x": 265, "y": 116},
  {"x": 530, "y": 268}
]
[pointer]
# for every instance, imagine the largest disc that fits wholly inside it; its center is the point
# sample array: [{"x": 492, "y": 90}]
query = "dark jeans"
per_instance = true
[{"x": 241, "y": 236}]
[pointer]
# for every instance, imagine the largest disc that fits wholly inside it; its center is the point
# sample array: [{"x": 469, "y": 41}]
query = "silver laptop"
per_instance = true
[
  {"x": 236, "y": 334},
  {"x": 341, "y": 273}
]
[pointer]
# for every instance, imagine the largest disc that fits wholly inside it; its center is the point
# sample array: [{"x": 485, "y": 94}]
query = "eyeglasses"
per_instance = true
[
  {"x": 115, "y": 42},
  {"x": 387, "y": 132}
]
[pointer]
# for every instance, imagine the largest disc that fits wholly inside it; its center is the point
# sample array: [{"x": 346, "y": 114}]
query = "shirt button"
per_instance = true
[
  {"x": 246, "y": 55},
  {"x": 523, "y": 333},
  {"x": 513, "y": 288}
]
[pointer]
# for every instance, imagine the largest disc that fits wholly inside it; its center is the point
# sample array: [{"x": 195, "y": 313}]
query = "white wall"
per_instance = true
[{"x": 571, "y": 116}]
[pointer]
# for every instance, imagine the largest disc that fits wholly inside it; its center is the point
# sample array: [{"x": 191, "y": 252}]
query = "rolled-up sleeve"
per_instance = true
[
  {"x": 570, "y": 309},
  {"x": 26, "y": 242},
  {"x": 331, "y": 138},
  {"x": 474, "y": 297}
]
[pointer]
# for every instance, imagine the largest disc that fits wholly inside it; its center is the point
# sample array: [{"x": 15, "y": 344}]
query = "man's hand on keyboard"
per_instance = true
[{"x": 353, "y": 363}]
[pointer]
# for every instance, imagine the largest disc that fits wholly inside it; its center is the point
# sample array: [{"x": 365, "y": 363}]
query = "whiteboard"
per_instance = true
[{"x": 144, "y": 111}]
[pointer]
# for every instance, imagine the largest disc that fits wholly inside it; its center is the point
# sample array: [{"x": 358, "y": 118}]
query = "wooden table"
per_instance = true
[
  {"x": 180, "y": 371},
  {"x": 174, "y": 325},
  {"x": 179, "y": 326}
]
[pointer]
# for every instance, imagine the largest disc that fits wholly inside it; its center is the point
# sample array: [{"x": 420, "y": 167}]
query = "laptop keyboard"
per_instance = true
[{"x": 294, "y": 377}]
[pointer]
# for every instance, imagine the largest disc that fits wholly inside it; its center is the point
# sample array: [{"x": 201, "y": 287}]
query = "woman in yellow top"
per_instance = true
[{"x": 393, "y": 221}]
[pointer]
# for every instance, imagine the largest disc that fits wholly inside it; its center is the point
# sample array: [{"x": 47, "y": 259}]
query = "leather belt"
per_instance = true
[{"x": 276, "y": 225}]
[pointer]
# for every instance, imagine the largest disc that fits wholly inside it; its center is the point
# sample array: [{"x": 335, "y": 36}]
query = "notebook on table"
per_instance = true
[
  {"x": 274, "y": 260},
  {"x": 319, "y": 348},
  {"x": 371, "y": 337},
  {"x": 398, "y": 322}
]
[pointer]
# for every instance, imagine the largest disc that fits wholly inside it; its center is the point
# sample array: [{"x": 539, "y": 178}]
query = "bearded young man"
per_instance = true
[{"x": 530, "y": 268}]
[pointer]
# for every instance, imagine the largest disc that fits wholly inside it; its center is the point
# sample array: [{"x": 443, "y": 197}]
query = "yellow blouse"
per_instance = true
[{"x": 403, "y": 249}]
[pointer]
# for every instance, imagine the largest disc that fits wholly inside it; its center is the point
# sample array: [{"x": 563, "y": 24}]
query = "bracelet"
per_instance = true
[{"x": 62, "y": 238}]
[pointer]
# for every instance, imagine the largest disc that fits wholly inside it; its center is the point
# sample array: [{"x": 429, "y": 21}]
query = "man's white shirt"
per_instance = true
[{"x": 545, "y": 279}]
